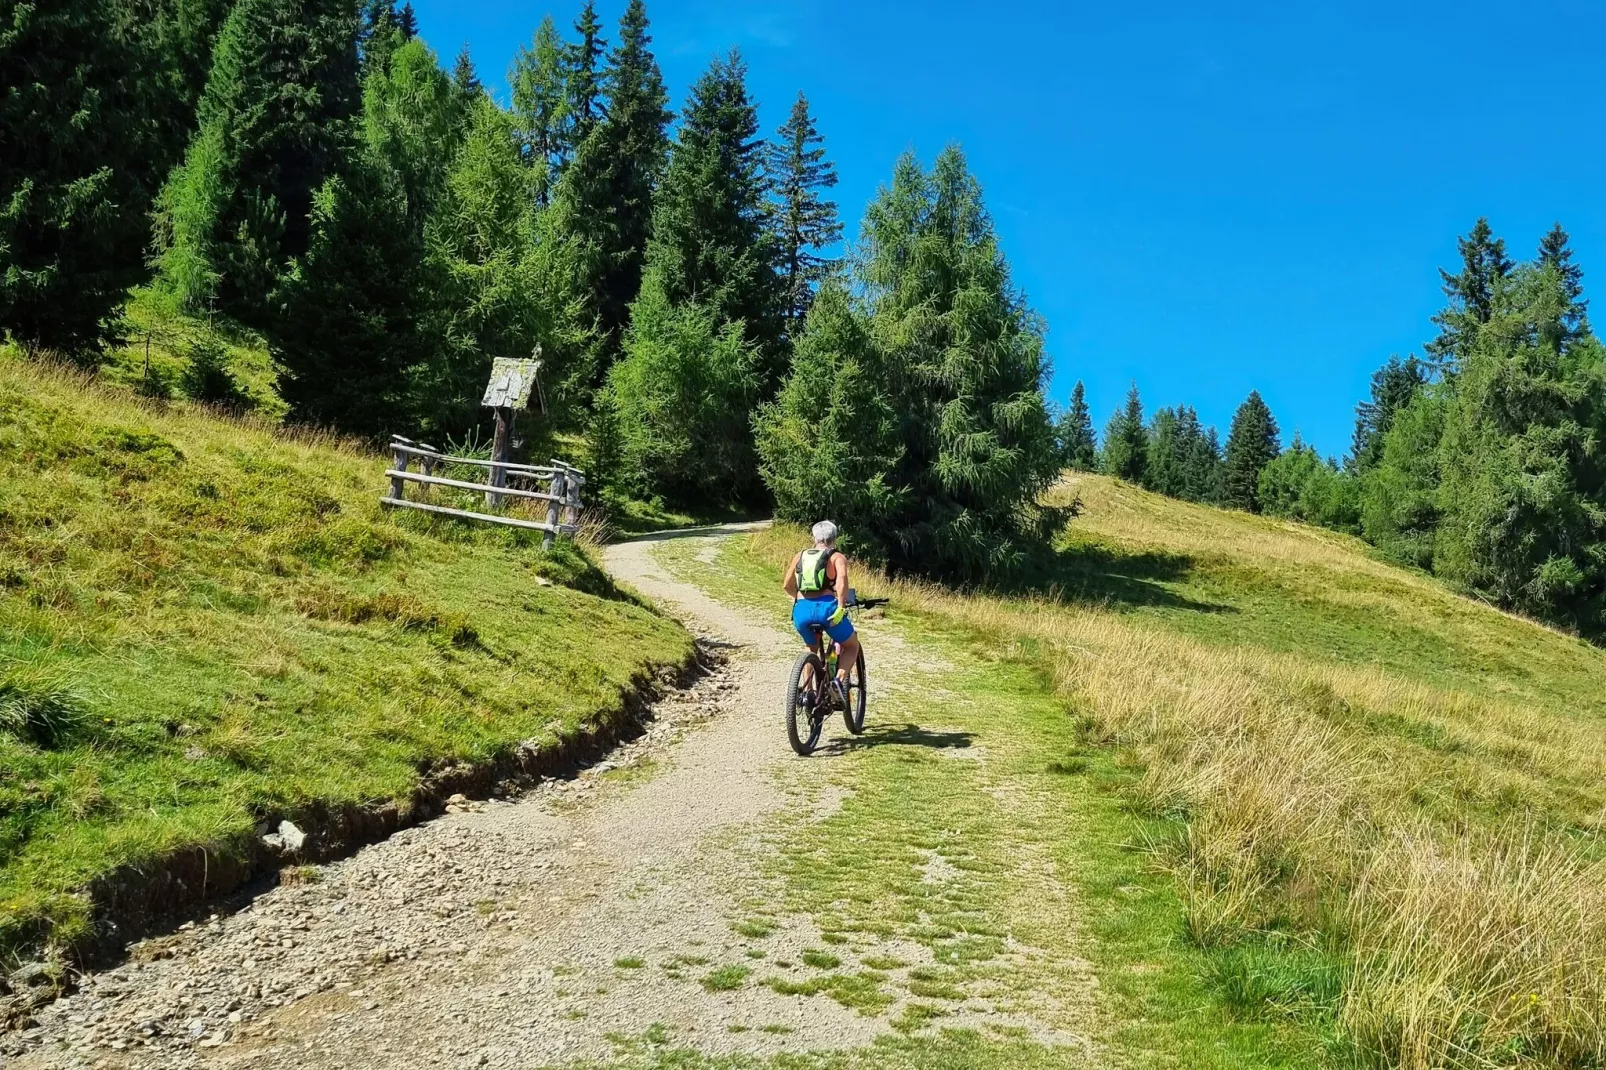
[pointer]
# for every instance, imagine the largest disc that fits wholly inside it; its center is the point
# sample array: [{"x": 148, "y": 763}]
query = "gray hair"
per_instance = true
[{"x": 824, "y": 533}]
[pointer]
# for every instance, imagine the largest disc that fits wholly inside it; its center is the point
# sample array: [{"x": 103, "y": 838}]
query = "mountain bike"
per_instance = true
[{"x": 815, "y": 691}]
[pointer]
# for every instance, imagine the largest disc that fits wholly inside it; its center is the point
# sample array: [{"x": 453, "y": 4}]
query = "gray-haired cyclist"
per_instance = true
[{"x": 817, "y": 580}]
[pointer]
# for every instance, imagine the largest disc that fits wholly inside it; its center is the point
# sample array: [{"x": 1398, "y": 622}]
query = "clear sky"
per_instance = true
[{"x": 1201, "y": 198}]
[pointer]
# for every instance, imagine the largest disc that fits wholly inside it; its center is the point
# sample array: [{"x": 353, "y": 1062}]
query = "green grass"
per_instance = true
[
  {"x": 204, "y": 620},
  {"x": 726, "y": 978},
  {"x": 955, "y": 767}
]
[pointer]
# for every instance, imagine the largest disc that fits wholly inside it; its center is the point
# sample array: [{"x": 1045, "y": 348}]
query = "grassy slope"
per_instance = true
[
  {"x": 227, "y": 621},
  {"x": 1380, "y": 803}
]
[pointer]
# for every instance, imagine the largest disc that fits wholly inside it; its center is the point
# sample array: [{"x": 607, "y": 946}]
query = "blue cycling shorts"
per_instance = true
[{"x": 817, "y": 611}]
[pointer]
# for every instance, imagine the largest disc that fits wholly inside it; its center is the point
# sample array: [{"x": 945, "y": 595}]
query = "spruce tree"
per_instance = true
[
  {"x": 1126, "y": 441},
  {"x": 710, "y": 240},
  {"x": 1523, "y": 496},
  {"x": 941, "y": 428},
  {"x": 1251, "y": 445},
  {"x": 95, "y": 107},
  {"x": 1203, "y": 481},
  {"x": 379, "y": 34},
  {"x": 805, "y": 222},
  {"x": 607, "y": 191},
  {"x": 275, "y": 120},
  {"x": 1400, "y": 494},
  {"x": 1393, "y": 386},
  {"x": 583, "y": 78},
  {"x": 1473, "y": 295},
  {"x": 464, "y": 77},
  {"x": 539, "y": 107},
  {"x": 1078, "y": 450},
  {"x": 1165, "y": 471},
  {"x": 407, "y": 21},
  {"x": 1572, "y": 323}
]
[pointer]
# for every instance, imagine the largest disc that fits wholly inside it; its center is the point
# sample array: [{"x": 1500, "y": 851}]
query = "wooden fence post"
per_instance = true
[
  {"x": 501, "y": 446},
  {"x": 402, "y": 459},
  {"x": 552, "y": 510}
]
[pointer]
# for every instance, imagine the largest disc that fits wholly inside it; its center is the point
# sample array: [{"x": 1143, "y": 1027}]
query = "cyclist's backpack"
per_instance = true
[{"x": 811, "y": 570}]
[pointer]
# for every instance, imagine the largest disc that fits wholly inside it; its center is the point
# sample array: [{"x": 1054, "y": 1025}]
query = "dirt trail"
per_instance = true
[
  {"x": 540, "y": 931},
  {"x": 515, "y": 934}
]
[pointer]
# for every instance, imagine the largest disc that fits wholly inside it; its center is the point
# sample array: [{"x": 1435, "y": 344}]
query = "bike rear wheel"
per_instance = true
[
  {"x": 857, "y": 689},
  {"x": 803, "y": 718}
]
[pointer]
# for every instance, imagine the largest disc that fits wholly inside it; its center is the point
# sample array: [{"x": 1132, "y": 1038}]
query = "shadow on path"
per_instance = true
[{"x": 904, "y": 735}]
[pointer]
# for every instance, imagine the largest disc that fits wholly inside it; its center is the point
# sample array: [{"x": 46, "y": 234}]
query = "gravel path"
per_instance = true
[{"x": 520, "y": 933}]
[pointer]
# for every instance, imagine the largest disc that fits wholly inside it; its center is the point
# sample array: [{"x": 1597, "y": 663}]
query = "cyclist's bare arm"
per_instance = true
[
  {"x": 789, "y": 581},
  {"x": 841, "y": 565}
]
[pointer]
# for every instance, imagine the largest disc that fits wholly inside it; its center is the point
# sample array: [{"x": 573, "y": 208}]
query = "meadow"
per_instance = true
[
  {"x": 204, "y": 619},
  {"x": 1381, "y": 801}
]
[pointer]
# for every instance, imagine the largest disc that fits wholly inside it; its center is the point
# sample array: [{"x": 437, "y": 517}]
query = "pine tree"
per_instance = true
[
  {"x": 407, "y": 21},
  {"x": 1251, "y": 445},
  {"x": 1523, "y": 496},
  {"x": 1473, "y": 295},
  {"x": 1126, "y": 441},
  {"x": 583, "y": 79},
  {"x": 1078, "y": 450},
  {"x": 379, "y": 35},
  {"x": 805, "y": 222},
  {"x": 710, "y": 240},
  {"x": 921, "y": 383},
  {"x": 1400, "y": 494},
  {"x": 464, "y": 77},
  {"x": 96, "y": 101},
  {"x": 1203, "y": 482},
  {"x": 1572, "y": 325},
  {"x": 539, "y": 106},
  {"x": 1393, "y": 386},
  {"x": 607, "y": 191},
  {"x": 275, "y": 120}
]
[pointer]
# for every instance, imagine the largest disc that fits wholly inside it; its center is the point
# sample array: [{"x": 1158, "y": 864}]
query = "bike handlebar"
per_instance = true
[{"x": 869, "y": 603}]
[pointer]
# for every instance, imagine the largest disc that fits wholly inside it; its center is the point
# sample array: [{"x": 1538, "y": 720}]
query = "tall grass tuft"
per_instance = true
[{"x": 36, "y": 707}]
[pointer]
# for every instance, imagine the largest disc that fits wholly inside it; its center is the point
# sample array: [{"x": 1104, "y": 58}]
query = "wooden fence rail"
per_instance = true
[{"x": 562, "y": 494}]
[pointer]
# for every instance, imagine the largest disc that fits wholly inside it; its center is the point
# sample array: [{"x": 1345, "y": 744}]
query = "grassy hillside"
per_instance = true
[
  {"x": 204, "y": 619},
  {"x": 1381, "y": 802}
]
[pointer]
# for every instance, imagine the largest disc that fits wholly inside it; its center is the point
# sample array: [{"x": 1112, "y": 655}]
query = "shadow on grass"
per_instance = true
[
  {"x": 904, "y": 735},
  {"x": 1089, "y": 573},
  {"x": 705, "y": 531}
]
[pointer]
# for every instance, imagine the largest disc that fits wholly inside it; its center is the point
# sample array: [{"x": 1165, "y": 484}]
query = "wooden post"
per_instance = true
[
  {"x": 553, "y": 513},
  {"x": 402, "y": 459},
  {"x": 501, "y": 445}
]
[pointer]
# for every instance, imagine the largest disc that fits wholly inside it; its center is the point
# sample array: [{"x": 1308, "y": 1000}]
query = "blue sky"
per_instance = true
[{"x": 1203, "y": 198}]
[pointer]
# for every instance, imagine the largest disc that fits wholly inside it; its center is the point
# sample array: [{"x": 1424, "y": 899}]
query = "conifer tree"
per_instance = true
[
  {"x": 710, "y": 240},
  {"x": 275, "y": 120},
  {"x": 1251, "y": 445},
  {"x": 805, "y": 222},
  {"x": 941, "y": 428},
  {"x": 95, "y": 107},
  {"x": 583, "y": 79},
  {"x": 1203, "y": 481},
  {"x": 464, "y": 77},
  {"x": 1393, "y": 386},
  {"x": 539, "y": 105},
  {"x": 1473, "y": 295},
  {"x": 607, "y": 191},
  {"x": 1572, "y": 324},
  {"x": 1400, "y": 493},
  {"x": 407, "y": 21},
  {"x": 1126, "y": 441},
  {"x": 379, "y": 34},
  {"x": 1523, "y": 497},
  {"x": 1078, "y": 450}
]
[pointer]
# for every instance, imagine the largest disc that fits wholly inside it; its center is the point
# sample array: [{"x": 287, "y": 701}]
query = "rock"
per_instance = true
[
  {"x": 288, "y": 840},
  {"x": 32, "y": 975}
]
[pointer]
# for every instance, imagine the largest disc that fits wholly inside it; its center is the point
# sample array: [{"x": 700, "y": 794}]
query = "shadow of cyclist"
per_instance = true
[{"x": 904, "y": 735}]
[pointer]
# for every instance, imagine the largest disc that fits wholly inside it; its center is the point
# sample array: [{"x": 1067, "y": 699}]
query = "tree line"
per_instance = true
[
  {"x": 310, "y": 173},
  {"x": 1481, "y": 461}
]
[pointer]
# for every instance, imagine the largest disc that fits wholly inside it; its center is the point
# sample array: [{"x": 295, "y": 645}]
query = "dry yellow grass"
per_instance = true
[{"x": 1364, "y": 762}]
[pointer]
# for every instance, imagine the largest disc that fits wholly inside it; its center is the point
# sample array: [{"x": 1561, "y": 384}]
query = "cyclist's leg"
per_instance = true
[
  {"x": 847, "y": 641},
  {"x": 805, "y": 621}
]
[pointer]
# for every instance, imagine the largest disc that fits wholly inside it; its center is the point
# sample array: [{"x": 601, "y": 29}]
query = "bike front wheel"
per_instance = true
[
  {"x": 855, "y": 694},
  {"x": 803, "y": 717}
]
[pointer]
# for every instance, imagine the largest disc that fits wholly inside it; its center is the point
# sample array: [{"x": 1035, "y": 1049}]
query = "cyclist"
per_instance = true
[{"x": 817, "y": 580}]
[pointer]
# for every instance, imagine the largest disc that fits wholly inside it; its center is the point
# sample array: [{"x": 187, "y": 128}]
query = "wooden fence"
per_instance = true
[{"x": 562, "y": 484}]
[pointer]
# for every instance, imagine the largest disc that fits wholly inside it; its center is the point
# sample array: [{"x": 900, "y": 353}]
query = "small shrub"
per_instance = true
[{"x": 206, "y": 378}]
